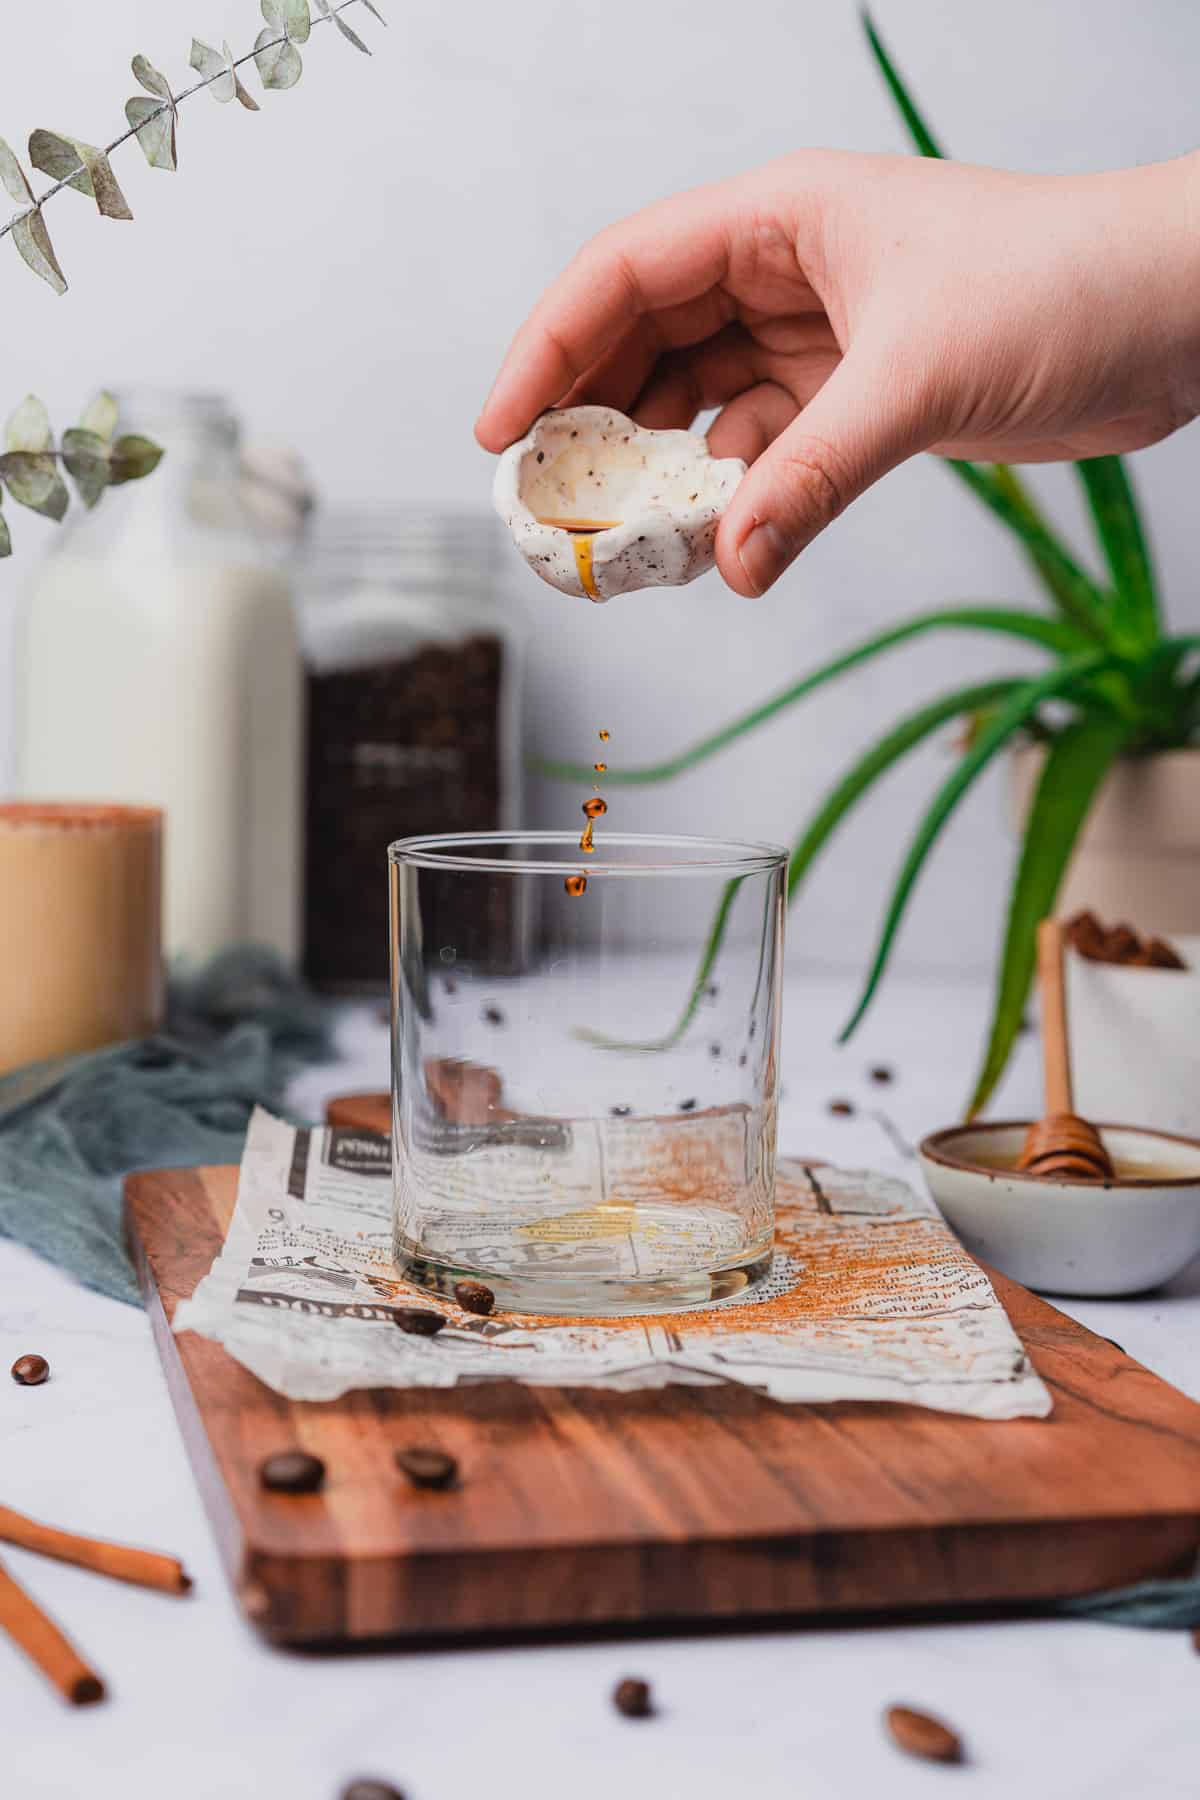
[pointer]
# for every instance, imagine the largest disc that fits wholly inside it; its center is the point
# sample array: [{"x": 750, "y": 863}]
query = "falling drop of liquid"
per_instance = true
[
  {"x": 585, "y": 843},
  {"x": 595, "y": 808},
  {"x": 576, "y": 885},
  {"x": 600, "y": 768},
  {"x": 603, "y": 735}
]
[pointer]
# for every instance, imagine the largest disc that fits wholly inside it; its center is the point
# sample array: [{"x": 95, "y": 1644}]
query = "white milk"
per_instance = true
[{"x": 150, "y": 678}]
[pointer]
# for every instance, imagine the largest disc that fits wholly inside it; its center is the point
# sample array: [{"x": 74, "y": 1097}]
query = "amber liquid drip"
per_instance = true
[
  {"x": 583, "y": 562},
  {"x": 583, "y": 531},
  {"x": 593, "y": 809}
]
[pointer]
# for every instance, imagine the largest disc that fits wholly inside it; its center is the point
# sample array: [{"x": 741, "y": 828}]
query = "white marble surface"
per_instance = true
[{"x": 200, "y": 1709}]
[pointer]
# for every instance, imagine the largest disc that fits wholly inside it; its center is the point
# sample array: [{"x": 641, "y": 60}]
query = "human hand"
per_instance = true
[{"x": 845, "y": 312}]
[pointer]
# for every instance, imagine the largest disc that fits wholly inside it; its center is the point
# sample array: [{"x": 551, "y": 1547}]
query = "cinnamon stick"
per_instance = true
[
  {"x": 145, "y": 1568},
  {"x": 43, "y": 1643}
]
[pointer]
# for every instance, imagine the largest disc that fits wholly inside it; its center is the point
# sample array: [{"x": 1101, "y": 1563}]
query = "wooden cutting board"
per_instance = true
[{"x": 578, "y": 1508}]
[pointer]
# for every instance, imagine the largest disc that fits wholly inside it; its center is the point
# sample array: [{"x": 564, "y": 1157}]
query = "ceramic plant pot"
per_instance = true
[{"x": 1138, "y": 859}]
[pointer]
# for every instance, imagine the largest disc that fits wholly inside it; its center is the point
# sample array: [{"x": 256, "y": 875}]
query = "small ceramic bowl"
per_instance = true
[{"x": 1071, "y": 1237}]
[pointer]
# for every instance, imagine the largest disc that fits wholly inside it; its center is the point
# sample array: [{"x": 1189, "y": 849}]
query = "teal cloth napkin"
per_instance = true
[{"x": 72, "y": 1129}]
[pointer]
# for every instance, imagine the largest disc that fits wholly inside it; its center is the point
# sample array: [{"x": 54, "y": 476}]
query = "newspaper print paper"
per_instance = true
[{"x": 870, "y": 1298}]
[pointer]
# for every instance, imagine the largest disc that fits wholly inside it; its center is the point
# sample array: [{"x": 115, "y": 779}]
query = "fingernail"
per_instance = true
[{"x": 764, "y": 554}]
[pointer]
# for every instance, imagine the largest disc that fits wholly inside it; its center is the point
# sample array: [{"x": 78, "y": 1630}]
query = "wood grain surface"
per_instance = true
[{"x": 578, "y": 1508}]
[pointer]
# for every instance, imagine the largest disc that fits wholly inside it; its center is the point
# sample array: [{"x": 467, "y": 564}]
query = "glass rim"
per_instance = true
[{"x": 727, "y": 856}]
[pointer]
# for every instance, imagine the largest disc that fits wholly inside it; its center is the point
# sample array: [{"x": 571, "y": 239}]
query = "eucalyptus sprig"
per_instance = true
[
  {"x": 93, "y": 456},
  {"x": 153, "y": 120}
]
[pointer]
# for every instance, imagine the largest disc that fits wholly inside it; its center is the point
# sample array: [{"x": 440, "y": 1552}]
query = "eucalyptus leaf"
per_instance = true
[
  {"x": 289, "y": 16},
  {"x": 100, "y": 416},
  {"x": 33, "y": 241},
  {"x": 81, "y": 166},
  {"x": 277, "y": 61},
  {"x": 87, "y": 457},
  {"x": 28, "y": 427},
  {"x": 34, "y": 481},
  {"x": 214, "y": 68},
  {"x": 372, "y": 8},
  {"x": 153, "y": 80},
  {"x": 5, "y": 540},
  {"x": 132, "y": 457},
  {"x": 13, "y": 176},
  {"x": 154, "y": 123},
  {"x": 327, "y": 12}
]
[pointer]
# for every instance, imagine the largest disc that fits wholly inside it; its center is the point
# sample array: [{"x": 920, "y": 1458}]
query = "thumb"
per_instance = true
[{"x": 858, "y": 426}]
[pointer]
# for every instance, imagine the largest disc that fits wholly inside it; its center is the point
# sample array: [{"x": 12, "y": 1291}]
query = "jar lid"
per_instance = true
[{"x": 406, "y": 546}]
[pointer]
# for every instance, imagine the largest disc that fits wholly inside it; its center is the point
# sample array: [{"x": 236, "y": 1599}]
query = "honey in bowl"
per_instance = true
[{"x": 1008, "y": 1161}]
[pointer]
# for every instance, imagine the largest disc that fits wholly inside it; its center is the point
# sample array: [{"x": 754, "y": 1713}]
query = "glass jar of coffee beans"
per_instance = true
[{"x": 412, "y": 670}]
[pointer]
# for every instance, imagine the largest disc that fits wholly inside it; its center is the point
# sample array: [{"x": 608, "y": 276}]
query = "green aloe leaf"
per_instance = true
[
  {"x": 1048, "y": 634},
  {"x": 920, "y": 133},
  {"x": 880, "y": 758},
  {"x": 1073, "y": 591},
  {"x": 1020, "y": 706},
  {"x": 1070, "y": 588},
  {"x": 1076, "y": 764},
  {"x": 5, "y": 539},
  {"x": 708, "y": 957},
  {"x": 869, "y": 768},
  {"x": 1118, "y": 525}
]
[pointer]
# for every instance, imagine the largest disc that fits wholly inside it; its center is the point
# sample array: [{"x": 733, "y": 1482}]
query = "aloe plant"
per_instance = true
[{"x": 1123, "y": 687}]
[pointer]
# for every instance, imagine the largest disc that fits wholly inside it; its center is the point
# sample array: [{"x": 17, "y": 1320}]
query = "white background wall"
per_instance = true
[{"x": 351, "y": 262}]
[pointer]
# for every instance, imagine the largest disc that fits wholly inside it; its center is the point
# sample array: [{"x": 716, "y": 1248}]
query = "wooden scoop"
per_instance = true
[{"x": 1062, "y": 1143}]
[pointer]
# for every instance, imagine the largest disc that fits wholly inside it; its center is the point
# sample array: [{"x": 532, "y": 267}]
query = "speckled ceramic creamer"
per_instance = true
[{"x": 598, "y": 505}]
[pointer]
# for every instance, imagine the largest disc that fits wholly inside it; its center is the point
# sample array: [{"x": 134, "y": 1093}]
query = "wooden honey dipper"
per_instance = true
[{"x": 1062, "y": 1143}]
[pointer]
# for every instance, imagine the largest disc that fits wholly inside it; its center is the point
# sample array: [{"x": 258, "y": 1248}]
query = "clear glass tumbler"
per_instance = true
[{"x": 584, "y": 1091}]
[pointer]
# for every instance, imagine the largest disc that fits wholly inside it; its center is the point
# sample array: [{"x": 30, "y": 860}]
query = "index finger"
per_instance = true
[{"x": 671, "y": 252}]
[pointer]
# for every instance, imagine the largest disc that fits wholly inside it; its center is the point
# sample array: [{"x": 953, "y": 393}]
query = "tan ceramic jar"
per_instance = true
[{"x": 80, "y": 928}]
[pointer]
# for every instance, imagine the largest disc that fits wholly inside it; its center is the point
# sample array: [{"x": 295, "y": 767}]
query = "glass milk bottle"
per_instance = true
[
  {"x": 158, "y": 665},
  {"x": 412, "y": 678}
]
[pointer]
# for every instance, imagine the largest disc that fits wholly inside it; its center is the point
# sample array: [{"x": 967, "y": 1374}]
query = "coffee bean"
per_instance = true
[
  {"x": 620, "y": 1112},
  {"x": 687, "y": 1106},
  {"x": 714, "y": 1050},
  {"x": 419, "y": 1321},
  {"x": 493, "y": 1015},
  {"x": 30, "y": 1371},
  {"x": 370, "y": 1790},
  {"x": 426, "y": 1467},
  {"x": 844, "y": 1109},
  {"x": 632, "y": 1698},
  {"x": 292, "y": 1472},
  {"x": 881, "y": 1074},
  {"x": 917, "y": 1734},
  {"x": 474, "y": 1297}
]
